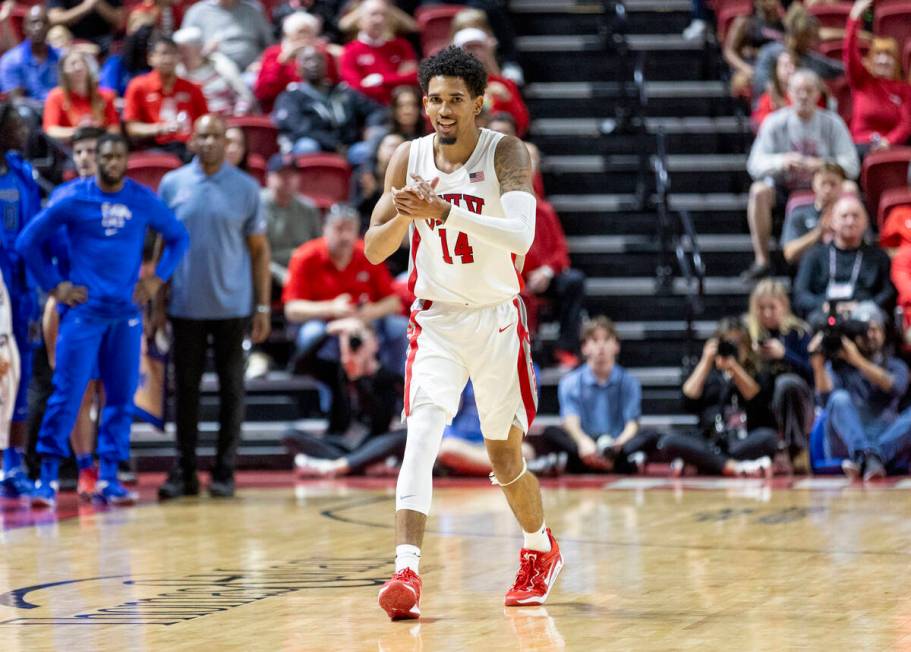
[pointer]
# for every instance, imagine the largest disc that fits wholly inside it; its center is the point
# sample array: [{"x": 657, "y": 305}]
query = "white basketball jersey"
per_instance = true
[{"x": 450, "y": 266}]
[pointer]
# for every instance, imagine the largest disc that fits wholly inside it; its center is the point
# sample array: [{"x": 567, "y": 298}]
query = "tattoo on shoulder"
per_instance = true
[{"x": 513, "y": 165}]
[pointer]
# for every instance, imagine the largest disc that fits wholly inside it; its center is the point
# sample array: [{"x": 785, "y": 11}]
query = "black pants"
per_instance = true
[
  {"x": 567, "y": 291},
  {"x": 40, "y": 389},
  {"x": 709, "y": 459},
  {"x": 371, "y": 450},
  {"x": 191, "y": 342},
  {"x": 556, "y": 439},
  {"x": 794, "y": 409}
]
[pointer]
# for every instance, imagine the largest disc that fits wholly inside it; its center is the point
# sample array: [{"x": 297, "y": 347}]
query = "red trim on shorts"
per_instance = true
[
  {"x": 527, "y": 380},
  {"x": 414, "y": 329},
  {"x": 415, "y": 243}
]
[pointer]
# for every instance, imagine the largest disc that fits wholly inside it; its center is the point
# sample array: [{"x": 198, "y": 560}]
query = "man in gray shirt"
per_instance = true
[
  {"x": 291, "y": 218},
  {"x": 237, "y": 27},
  {"x": 214, "y": 290},
  {"x": 809, "y": 223}
]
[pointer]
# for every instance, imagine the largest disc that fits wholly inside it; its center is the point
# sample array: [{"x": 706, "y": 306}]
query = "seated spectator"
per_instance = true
[
  {"x": 399, "y": 21},
  {"x": 133, "y": 60},
  {"x": 221, "y": 82},
  {"x": 162, "y": 106},
  {"x": 96, "y": 21},
  {"x": 327, "y": 11},
  {"x": 736, "y": 427},
  {"x": 880, "y": 98},
  {"x": 78, "y": 101},
  {"x": 236, "y": 152},
  {"x": 810, "y": 224},
  {"x": 862, "y": 386},
  {"x": 600, "y": 408},
  {"x": 776, "y": 94},
  {"x": 781, "y": 341},
  {"x": 332, "y": 289},
  {"x": 845, "y": 271},
  {"x": 792, "y": 144},
  {"x": 315, "y": 116},
  {"x": 236, "y": 28},
  {"x": 164, "y": 16},
  {"x": 502, "y": 94},
  {"x": 491, "y": 17},
  {"x": 291, "y": 218},
  {"x": 371, "y": 176},
  {"x": 373, "y": 63},
  {"x": 407, "y": 117},
  {"x": 801, "y": 37},
  {"x": 29, "y": 70},
  {"x": 278, "y": 68},
  {"x": 744, "y": 38},
  {"x": 895, "y": 237}
]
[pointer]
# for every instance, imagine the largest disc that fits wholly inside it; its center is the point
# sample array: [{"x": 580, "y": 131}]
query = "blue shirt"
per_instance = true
[
  {"x": 603, "y": 409},
  {"x": 20, "y": 201},
  {"x": 106, "y": 232},
  {"x": 19, "y": 69},
  {"x": 877, "y": 409},
  {"x": 215, "y": 279}
]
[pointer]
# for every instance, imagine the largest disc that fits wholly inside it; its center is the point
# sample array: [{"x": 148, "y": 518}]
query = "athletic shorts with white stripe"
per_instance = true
[{"x": 449, "y": 343}]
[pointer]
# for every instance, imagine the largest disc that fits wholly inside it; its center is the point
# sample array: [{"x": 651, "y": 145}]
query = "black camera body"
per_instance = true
[
  {"x": 727, "y": 349},
  {"x": 836, "y": 327}
]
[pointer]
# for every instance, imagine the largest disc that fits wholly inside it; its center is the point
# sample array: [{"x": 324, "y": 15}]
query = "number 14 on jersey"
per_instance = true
[{"x": 462, "y": 248}]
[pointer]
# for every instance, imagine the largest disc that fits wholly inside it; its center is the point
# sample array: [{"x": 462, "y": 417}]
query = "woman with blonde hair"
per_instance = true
[
  {"x": 78, "y": 101},
  {"x": 780, "y": 340}
]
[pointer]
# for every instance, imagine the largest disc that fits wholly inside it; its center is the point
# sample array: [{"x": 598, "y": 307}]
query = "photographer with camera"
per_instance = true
[
  {"x": 845, "y": 271},
  {"x": 861, "y": 386},
  {"x": 737, "y": 429}
]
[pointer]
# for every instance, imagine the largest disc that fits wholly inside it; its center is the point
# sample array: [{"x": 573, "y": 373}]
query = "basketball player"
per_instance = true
[{"x": 466, "y": 197}]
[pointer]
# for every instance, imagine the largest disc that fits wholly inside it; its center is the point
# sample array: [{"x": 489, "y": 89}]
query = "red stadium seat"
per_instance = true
[
  {"x": 434, "y": 24},
  {"x": 727, "y": 12},
  {"x": 882, "y": 171},
  {"x": 906, "y": 58},
  {"x": 839, "y": 89},
  {"x": 831, "y": 15},
  {"x": 256, "y": 167},
  {"x": 17, "y": 18},
  {"x": 325, "y": 178},
  {"x": 893, "y": 19},
  {"x": 149, "y": 167},
  {"x": 262, "y": 136},
  {"x": 890, "y": 199}
]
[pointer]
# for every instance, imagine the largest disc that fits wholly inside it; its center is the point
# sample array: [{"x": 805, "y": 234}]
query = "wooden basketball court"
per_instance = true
[{"x": 651, "y": 564}]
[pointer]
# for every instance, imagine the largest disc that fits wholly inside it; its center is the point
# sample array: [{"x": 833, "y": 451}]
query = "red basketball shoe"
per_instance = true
[
  {"x": 88, "y": 478},
  {"x": 400, "y": 597},
  {"x": 537, "y": 575}
]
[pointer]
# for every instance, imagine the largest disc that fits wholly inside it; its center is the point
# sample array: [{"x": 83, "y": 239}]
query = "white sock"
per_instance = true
[
  {"x": 407, "y": 556},
  {"x": 537, "y": 540}
]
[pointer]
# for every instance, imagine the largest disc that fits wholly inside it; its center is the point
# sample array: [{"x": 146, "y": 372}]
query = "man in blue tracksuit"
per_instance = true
[
  {"x": 20, "y": 201},
  {"x": 105, "y": 219}
]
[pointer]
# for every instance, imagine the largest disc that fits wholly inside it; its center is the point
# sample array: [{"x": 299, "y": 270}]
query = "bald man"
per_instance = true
[
  {"x": 218, "y": 286},
  {"x": 845, "y": 271}
]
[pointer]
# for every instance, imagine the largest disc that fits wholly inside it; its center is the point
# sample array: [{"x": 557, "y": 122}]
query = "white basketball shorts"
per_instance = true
[{"x": 450, "y": 343}]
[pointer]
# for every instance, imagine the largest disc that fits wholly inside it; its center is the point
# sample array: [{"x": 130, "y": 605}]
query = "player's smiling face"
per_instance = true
[{"x": 451, "y": 108}]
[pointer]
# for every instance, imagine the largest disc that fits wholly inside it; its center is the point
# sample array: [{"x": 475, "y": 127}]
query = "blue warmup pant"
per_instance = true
[
  {"x": 21, "y": 318},
  {"x": 87, "y": 342}
]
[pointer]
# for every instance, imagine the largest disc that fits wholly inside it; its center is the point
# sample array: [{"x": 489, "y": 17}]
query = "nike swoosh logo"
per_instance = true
[
  {"x": 406, "y": 497},
  {"x": 504, "y": 328}
]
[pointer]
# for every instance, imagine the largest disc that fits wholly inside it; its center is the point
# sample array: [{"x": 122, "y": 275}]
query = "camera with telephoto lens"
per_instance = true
[
  {"x": 728, "y": 349},
  {"x": 836, "y": 327}
]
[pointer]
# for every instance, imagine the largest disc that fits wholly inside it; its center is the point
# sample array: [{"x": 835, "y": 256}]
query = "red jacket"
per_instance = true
[
  {"x": 880, "y": 106},
  {"x": 360, "y": 59},
  {"x": 274, "y": 77},
  {"x": 549, "y": 247},
  {"x": 515, "y": 106}
]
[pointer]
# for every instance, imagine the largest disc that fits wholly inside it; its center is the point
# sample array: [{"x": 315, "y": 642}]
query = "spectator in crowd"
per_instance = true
[
  {"x": 399, "y": 21},
  {"x": 780, "y": 340},
  {"x": 374, "y": 63},
  {"x": 164, "y": 16},
  {"x": 224, "y": 277},
  {"x": 78, "y": 101},
  {"x": 279, "y": 66},
  {"x": 236, "y": 28},
  {"x": 862, "y": 386},
  {"x": 810, "y": 224},
  {"x": 846, "y": 271},
  {"x": 29, "y": 70},
  {"x": 791, "y": 145},
  {"x": 502, "y": 94},
  {"x": 161, "y": 105},
  {"x": 218, "y": 77},
  {"x": 736, "y": 427},
  {"x": 8, "y": 38},
  {"x": 776, "y": 94},
  {"x": 880, "y": 98},
  {"x": 407, "y": 119},
  {"x": 801, "y": 37},
  {"x": 133, "y": 60},
  {"x": 506, "y": 124},
  {"x": 291, "y": 218},
  {"x": 236, "y": 152},
  {"x": 600, "y": 409},
  {"x": 315, "y": 116},
  {"x": 332, "y": 289},
  {"x": 105, "y": 221},
  {"x": 746, "y": 35},
  {"x": 327, "y": 11},
  {"x": 89, "y": 20},
  {"x": 370, "y": 177},
  {"x": 20, "y": 201},
  {"x": 490, "y": 16}
]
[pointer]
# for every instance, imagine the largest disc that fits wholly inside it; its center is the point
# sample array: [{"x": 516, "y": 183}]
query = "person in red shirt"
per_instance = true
[
  {"x": 373, "y": 63},
  {"x": 279, "y": 63},
  {"x": 162, "y": 106},
  {"x": 881, "y": 101},
  {"x": 502, "y": 94},
  {"x": 78, "y": 102}
]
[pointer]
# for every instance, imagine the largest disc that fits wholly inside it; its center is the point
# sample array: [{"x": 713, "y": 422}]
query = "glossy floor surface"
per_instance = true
[{"x": 650, "y": 565}]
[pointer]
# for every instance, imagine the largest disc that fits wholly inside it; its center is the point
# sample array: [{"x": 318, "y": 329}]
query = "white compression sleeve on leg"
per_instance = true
[
  {"x": 514, "y": 232},
  {"x": 414, "y": 488}
]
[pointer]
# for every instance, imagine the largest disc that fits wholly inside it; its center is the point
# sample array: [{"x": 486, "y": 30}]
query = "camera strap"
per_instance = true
[{"x": 843, "y": 291}]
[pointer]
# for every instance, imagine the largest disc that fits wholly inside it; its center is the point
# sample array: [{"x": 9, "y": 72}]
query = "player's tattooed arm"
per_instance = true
[
  {"x": 513, "y": 165},
  {"x": 386, "y": 232}
]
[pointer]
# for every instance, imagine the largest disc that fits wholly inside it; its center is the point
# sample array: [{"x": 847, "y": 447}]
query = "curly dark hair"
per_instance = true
[{"x": 454, "y": 62}]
